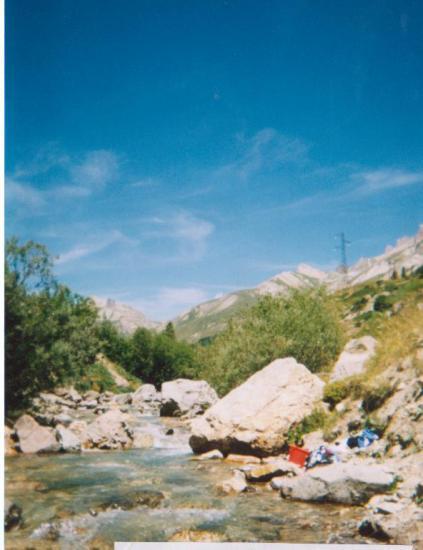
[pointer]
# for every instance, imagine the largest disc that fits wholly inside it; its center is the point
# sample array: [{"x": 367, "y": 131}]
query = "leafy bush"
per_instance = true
[
  {"x": 51, "y": 333},
  {"x": 314, "y": 421},
  {"x": 374, "y": 396},
  {"x": 96, "y": 377},
  {"x": 305, "y": 325},
  {"x": 154, "y": 358},
  {"x": 383, "y": 302},
  {"x": 337, "y": 391}
]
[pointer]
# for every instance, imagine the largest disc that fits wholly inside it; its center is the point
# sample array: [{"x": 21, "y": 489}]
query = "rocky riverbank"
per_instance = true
[
  {"x": 66, "y": 421},
  {"x": 245, "y": 437},
  {"x": 384, "y": 476}
]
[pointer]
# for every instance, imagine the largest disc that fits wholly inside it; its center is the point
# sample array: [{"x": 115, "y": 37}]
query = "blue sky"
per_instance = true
[{"x": 170, "y": 151}]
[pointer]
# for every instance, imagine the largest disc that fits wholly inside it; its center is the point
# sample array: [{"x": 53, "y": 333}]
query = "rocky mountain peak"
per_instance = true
[{"x": 126, "y": 318}]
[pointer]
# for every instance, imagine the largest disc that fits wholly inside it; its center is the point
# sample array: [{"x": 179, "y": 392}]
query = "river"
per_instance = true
[{"x": 57, "y": 492}]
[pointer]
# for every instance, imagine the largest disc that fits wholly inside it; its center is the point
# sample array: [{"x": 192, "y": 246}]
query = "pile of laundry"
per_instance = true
[{"x": 329, "y": 455}]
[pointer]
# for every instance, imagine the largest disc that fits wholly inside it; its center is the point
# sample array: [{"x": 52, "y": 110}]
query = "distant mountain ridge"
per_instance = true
[
  {"x": 209, "y": 318},
  {"x": 125, "y": 317}
]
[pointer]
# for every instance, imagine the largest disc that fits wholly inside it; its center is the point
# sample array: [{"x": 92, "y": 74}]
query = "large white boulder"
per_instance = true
[
  {"x": 147, "y": 399},
  {"x": 354, "y": 358},
  {"x": 109, "y": 431},
  {"x": 342, "y": 483},
  {"x": 33, "y": 438},
  {"x": 255, "y": 417},
  {"x": 69, "y": 442},
  {"x": 184, "y": 397}
]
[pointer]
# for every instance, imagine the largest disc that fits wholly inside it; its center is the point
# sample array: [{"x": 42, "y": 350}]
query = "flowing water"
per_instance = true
[{"x": 57, "y": 492}]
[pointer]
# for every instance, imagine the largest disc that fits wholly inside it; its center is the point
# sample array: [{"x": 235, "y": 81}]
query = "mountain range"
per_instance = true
[{"x": 209, "y": 318}]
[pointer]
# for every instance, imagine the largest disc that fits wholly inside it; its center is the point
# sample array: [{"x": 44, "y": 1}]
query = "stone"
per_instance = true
[
  {"x": 63, "y": 419},
  {"x": 109, "y": 431},
  {"x": 123, "y": 398},
  {"x": 268, "y": 471},
  {"x": 284, "y": 393},
  {"x": 148, "y": 497},
  {"x": 243, "y": 459},
  {"x": 33, "y": 438},
  {"x": 146, "y": 393},
  {"x": 79, "y": 428},
  {"x": 186, "y": 397},
  {"x": 211, "y": 455},
  {"x": 354, "y": 357},
  {"x": 142, "y": 440},
  {"x": 402, "y": 527},
  {"x": 235, "y": 484},
  {"x": 189, "y": 535},
  {"x": 91, "y": 395},
  {"x": 69, "y": 394},
  {"x": 12, "y": 516},
  {"x": 69, "y": 442},
  {"x": 276, "y": 483},
  {"x": 340, "y": 483},
  {"x": 9, "y": 443},
  {"x": 88, "y": 404},
  {"x": 51, "y": 399}
]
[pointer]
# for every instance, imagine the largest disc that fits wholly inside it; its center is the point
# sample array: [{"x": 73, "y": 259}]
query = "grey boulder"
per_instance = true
[
  {"x": 183, "y": 397},
  {"x": 33, "y": 438},
  {"x": 341, "y": 483}
]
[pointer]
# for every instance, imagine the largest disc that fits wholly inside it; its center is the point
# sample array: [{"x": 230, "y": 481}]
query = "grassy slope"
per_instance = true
[
  {"x": 399, "y": 332},
  {"x": 197, "y": 325},
  {"x": 99, "y": 377}
]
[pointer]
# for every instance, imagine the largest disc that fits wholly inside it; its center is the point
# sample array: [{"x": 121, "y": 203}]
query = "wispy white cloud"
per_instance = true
[
  {"x": 62, "y": 177},
  {"x": 92, "y": 246},
  {"x": 190, "y": 233},
  {"x": 383, "y": 179},
  {"x": 96, "y": 169},
  {"x": 264, "y": 151},
  {"x": 145, "y": 182},
  {"x": 47, "y": 158},
  {"x": 23, "y": 193}
]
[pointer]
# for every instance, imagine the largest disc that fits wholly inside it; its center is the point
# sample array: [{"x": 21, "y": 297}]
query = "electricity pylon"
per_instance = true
[{"x": 342, "y": 247}]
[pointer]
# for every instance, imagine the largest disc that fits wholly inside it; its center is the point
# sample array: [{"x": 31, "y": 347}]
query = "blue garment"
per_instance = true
[
  {"x": 322, "y": 455},
  {"x": 365, "y": 439}
]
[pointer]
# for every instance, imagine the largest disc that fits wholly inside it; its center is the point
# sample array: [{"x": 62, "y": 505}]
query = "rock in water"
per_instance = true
[
  {"x": 69, "y": 443},
  {"x": 235, "y": 484},
  {"x": 186, "y": 397},
  {"x": 342, "y": 483},
  {"x": 147, "y": 399},
  {"x": 109, "y": 431},
  {"x": 255, "y": 417},
  {"x": 354, "y": 357},
  {"x": 12, "y": 516},
  {"x": 34, "y": 438}
]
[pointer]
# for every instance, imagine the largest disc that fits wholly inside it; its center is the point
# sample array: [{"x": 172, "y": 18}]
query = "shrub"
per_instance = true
[
  {"x": 314, "y": 421},
  {"x": 96, "y": 377},
  {"x": 305, "y": 325},
  {"x": 383, "y": 302},
  {"x": 375, "y": 396},
  {"x": 50, "y": 332},
  {"x": 337, "y": 391}
]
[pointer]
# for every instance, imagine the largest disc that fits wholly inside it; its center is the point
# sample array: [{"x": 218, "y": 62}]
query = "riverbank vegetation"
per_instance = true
[
  {"x": 304, "y": 324},
  {"x": 54, "y": 336}
]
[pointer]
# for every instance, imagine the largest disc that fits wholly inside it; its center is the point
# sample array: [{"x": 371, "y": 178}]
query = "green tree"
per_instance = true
[
  {"x": 305, "y": 325},
  {"x": 50, "y": 332},
  {"x": 114, "y": 344},
  {"x": 169, "y": 331},
  {"x": 141, "y": 361}
]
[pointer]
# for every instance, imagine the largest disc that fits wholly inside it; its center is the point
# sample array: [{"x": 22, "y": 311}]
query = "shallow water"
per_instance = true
[{"x": 60, "y": 490}]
